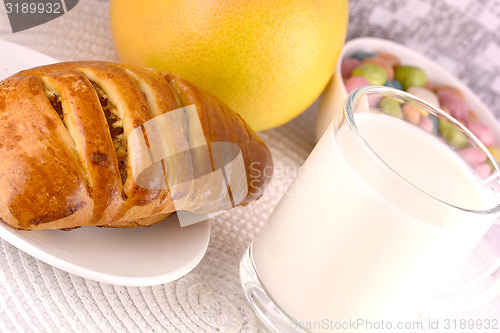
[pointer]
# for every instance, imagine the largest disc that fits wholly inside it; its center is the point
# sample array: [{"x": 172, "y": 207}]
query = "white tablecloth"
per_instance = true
[{"x": 463, "y": 35}]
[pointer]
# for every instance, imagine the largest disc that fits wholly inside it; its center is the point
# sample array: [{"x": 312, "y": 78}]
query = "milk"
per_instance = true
[{"x": 352, "y": 240}]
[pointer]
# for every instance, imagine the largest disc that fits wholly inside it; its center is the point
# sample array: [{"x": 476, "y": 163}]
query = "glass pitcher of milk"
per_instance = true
[{"x": 381, "y": 214}]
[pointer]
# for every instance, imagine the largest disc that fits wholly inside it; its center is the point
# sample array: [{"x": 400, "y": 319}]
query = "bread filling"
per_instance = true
[
  {"x": 55, "y": 101},
  {"x": 115, "y": 124}
]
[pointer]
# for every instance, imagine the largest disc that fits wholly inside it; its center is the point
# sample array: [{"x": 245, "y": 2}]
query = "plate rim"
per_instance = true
[{"x": 8, "y": 233}]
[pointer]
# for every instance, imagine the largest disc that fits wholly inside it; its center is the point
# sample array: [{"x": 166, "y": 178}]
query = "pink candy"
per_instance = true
[
  {"x": 359, "y": 81},
  {"x": 472, "y": 155},
  {"x": 483, "y": 133},
  {"x": 483, "y": 170},
  {"x": 456, "y": 107},
  {"x": 426, "y": 124},
  {"x": 348, "y": 65},
  {"x": 374, "y": 99},
  {"x": 355, "y": 82},
  {"x": 477, "y": 160}
]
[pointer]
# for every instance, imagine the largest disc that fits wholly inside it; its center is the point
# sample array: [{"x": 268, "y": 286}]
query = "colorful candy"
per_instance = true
[
  {"x": 410, "y": 76},
  {"x": 451, "y": 89},
  {"x": 348, "y": 65},
  {"x": 495, "y": 152},
  {"x": 425, "y": 95},
  {"x": 426, "y": 124},
  {"x": 389, "y": 71},
  {"x": 382, "y": 68},
  {"x": 435, "y": 123},
  {"x": 411, "y": 114},
  {"x": 482, "y": 132},
  {"x": 360, "y": 55},
  {"x": 391, "y": 107},
  {"x": 483, "y": 170},
  {"x": 472, "y": 155},
  {"x": 375, "y": 74},
  {"x": 393, "y": 84},
  {"x": 451, "y": 102},
  {"x": 390, "y": 58},
  {"x": 452, "y": 134},
  {"x": 354, "y": 82}
]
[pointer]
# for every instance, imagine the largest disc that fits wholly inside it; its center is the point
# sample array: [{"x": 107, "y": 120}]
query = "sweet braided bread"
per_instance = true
[{"x": 65, "y": 152}]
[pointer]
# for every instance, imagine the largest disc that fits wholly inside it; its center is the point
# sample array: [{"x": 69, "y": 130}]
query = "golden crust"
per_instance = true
[{"x": 63, "y": 144}]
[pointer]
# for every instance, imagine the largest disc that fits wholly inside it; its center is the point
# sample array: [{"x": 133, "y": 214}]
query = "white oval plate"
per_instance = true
[{"x": 140, "y": 256}]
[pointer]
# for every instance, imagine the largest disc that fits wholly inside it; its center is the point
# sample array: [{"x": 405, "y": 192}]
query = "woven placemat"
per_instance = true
[{"x": 36, "y": 297}]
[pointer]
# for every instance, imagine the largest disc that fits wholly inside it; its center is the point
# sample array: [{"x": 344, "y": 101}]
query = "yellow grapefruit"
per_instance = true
[{"x": 267, "y": 60}]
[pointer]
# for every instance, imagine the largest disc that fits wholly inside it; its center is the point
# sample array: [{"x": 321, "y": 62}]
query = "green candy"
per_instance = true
[
  {"x": 375, "y": 74},
  {"x": 391, "y": 107},
  {"x": 410, "y": 76},
  {"x": 452, "y": 134}
]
